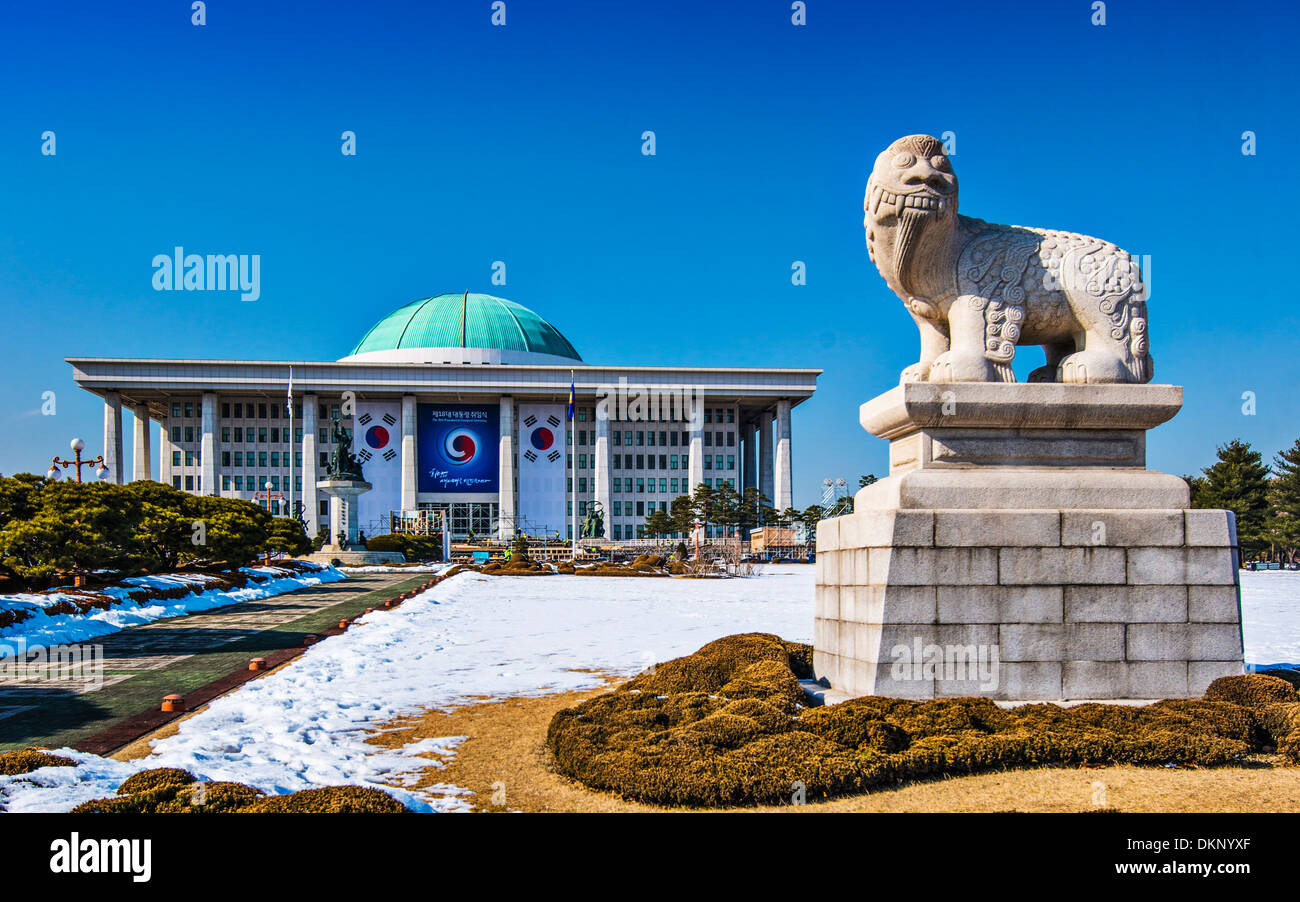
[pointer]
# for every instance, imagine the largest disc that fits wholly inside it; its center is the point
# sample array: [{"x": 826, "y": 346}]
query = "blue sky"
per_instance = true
[{"x": 522, "y": 144}]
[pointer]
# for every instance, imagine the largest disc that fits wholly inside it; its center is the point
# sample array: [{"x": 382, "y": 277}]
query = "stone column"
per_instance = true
[
  {"x": 747, "y": 437},
  {"x": 408, "y": 454},
  {"x": 113, "y": 436},
  {"x": 784, "y": 487},
  {"x": 142, "y": 455},
  {"x": 208, "y": 447},
  {"x": 506, "y": 522},
  {"x": 310, "y": 465},
  {"x": 602, "y": 488},
  {"x": 695, "y": 463},
  {"x": 765, "y": 462}
]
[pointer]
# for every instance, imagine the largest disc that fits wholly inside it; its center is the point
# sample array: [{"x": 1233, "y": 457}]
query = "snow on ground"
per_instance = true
[
  {"x": 393, "y": 568},
  {"x": 41, "y": 629},
  {"x": 1270, "y": 617},
  {"x": 474, "y": 636}
]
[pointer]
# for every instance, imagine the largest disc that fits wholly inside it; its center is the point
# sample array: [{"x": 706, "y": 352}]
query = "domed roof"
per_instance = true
[{"x": 478, "y": 321}]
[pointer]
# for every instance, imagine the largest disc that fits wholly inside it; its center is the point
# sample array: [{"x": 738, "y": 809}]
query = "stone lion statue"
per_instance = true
[{"x": 977, "y": 290}]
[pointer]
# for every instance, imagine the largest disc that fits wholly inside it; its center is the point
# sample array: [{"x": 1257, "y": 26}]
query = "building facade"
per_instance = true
[{"x": 456, "y": 403}]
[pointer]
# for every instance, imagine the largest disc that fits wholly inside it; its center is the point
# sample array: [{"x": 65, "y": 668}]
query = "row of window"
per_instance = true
[
  {"x": 252, "y": 410},
  {"x": 668, "y": 439},
  {"x": 257, "y": 482}
]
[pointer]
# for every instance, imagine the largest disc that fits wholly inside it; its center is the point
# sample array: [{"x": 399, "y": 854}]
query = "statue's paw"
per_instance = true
[
  {"x": 1043, "y": 374},
  {"x": 954, "y": 366},
  {"x": 917, "y": 372},
  {"x": 1092, "y": 367}
]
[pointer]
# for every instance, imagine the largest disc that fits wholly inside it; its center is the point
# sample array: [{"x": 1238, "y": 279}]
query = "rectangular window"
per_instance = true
[
  {"x": 640, "y": 438},
  {"x": 673, "y": 436},
  {"x": 582, "y": 508},
  {"x": 674, "y": 486},
  {"x": 189, "y": 408},
  {"x": 324, "y": 436},
  {"x": 640, "y": 486},
  {"x": 176, "y": 412},
  {"x": 297, "y": 483},
  {"x": 225, "y": 458},
  {"x": 731, "y": 414},
  {"x": 189, "y": 458},
  {"x": 261, "y": 435},
  {"x": 708, "y": 439},
  {"x": 261, "y": 459},
  {"x": 618, "y": 512},
  {"x": 189, "y": 433},
  {"x": 189, "y": 483},
  {"x": 618, "y": 485},
  {"x": 176, "y": 433},
  {"x": 324, "y": 459},
  {"x": 225, "y": 410},
  {"x": 618, "y": 436},
  {"x": 225, "y": 433},
  {"x": 239, "y": 458},
  {"x": 663, "y": 485},
  {"x": 617, "y": 532},
  {"x": 582, "y": 461},
  {"x": 176, "y": 482},
  {"x": 582, "y": 414},
  {"x": 650, "y": 438},
  {"x": 275, "y": 483},
  {"x": 323, "y": 507},
  {"x": 686, "y": 439},
  {"x": 275, "y": 435},
  {"x": 582, "y": 436},
  {"x": 651, "y": 486},
  {"x": 640, "y": 508},
  {"x": 708, "y": 461},
  {"x": 297, "y": 458},
  {"x": 663, "y": 461},
  {"x": 261, "y": 411},
  {"x": 275, "y": 458},
  {"x": 225, "y": 483},
  {"x": 640, "y": 461},
  {"x": 582, "y": 483},
  {"x": 176, "y": 458},
  {"x": 334, "y": 411},
  {"x": 568, "y": 486},
  {"x": 239, "y": 410},
  {"x": 731, "y": 461},
  {"x": 239, "y": 434},
  {"x": 239, "y": 483},
  {"x": 718, "y": 439},
  {"x": 627, "y": 438},
  {"x": 297, "y": 435},
  {"x": 708, "y": 414}
]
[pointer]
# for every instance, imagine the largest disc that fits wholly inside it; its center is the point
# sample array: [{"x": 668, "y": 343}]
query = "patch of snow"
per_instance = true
[{"x": 44, "y": 630}]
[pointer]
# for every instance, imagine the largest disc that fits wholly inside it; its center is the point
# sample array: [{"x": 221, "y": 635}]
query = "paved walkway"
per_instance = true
[{"x": 142, "y": 664}]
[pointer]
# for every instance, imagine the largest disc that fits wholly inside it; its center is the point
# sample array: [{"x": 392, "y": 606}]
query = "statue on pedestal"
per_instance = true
[
  {"x": 594, "y": 526},
  {"x": 343, "y": 463}
]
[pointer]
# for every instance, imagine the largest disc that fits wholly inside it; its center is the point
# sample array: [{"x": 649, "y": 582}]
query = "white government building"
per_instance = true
[{"x": 456, "y": 402}]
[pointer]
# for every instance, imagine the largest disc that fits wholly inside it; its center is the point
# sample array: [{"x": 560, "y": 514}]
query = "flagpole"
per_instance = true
[
  {"x": 573, "y": 471},
  {"x": 292, "y": 444}
]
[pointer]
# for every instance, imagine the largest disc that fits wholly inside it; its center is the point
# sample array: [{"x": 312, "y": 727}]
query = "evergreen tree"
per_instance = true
[
  {"x": 1239, "y": 483},
  {"x": 1284, "y": 495}
]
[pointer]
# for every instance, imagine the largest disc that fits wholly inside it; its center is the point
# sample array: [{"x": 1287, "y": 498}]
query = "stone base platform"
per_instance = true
[{"x": 1020, "y": 551}]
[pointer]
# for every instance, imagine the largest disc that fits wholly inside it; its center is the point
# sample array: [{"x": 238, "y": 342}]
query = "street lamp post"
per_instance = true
[
  {"x": 269, "y": 496},
  {"x": 53, "y": 474},
  {"x": 76, "y": 445}
]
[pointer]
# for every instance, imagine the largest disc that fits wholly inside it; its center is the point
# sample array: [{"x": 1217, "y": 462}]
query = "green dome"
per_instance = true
[{"x": 465, "y": 321}]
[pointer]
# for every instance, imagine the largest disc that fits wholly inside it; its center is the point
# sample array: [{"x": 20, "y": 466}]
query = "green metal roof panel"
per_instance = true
[{"x": 477, "y": 321}]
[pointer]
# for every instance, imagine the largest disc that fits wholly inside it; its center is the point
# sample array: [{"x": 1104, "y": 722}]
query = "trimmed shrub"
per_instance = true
[
  {"x": 25, "y": 761},
  {"x": 171, "y": 790},
  {"x": 154, "y": 779},
  {"x": 330, "y": 800},
  {"x": 727, "y": 726},
  {"x": 1252, "y": 690},
  {"x": 387, "y": 542}
]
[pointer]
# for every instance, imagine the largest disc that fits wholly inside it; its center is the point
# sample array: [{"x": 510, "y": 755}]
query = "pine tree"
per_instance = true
[
  {"x": 1239, "y": 483},
  {"x": 1284, "y": 494}
]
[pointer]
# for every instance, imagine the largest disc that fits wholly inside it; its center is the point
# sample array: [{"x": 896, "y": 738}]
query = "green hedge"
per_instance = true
[{"x": 727, "y": 726}]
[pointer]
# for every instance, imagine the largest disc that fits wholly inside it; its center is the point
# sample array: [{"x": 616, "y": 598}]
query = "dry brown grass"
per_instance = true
[{"x": 507, "y": 744}]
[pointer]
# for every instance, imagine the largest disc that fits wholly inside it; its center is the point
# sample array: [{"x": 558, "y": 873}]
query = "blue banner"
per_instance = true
[{"x": 457, "y": 447}]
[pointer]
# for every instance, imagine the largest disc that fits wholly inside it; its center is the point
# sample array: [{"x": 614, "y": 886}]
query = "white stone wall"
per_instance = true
[{"x": 1096, "y": 604}]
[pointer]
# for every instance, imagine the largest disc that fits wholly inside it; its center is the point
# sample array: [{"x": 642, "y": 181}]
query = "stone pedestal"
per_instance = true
[
  {"x": 1021, "y": 550},
  {"x": 343, "y": 512}
]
